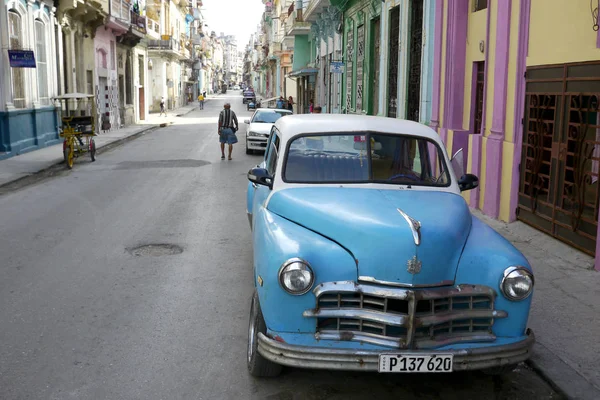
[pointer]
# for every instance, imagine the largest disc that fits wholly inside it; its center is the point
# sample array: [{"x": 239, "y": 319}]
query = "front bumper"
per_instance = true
[
  {"x": 368, "y": 360},
  {"x": 257, "y": 143}
]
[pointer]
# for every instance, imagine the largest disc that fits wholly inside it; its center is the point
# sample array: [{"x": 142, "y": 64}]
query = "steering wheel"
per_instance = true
[{"x": 411, "y": 177}]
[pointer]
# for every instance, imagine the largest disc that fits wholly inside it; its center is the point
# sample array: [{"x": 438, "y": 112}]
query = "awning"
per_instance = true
[{"x": 304, "y": 71}]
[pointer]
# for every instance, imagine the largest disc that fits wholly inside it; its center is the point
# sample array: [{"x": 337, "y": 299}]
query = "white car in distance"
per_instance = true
[{"x": 259, "y": 127}]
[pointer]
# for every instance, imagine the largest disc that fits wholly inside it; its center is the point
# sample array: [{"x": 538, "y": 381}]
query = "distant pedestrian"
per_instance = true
[
  {"x": 201, "y": 101},
  {"x": 279, "y": 104},
  {"x": 162, "y": 107},
  {"x": 228, "y": 125},
  {"x": 311, "y": 106},
  {"x": 290, "y": 104},
  {"x": 317, "y": 110}
]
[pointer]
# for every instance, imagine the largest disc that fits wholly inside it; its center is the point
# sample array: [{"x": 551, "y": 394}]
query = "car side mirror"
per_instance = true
[
  {"x": 468, "y": 182},
  {"x": 247, "y": 121},
  {"x": 260, "y": 176}
]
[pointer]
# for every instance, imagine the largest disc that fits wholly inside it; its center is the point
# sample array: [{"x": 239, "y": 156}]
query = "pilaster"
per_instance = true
[
  {"x": 5, "y": 81},
  {"x": 31, "y": 73},
  {"x": 52, "y": 75}
]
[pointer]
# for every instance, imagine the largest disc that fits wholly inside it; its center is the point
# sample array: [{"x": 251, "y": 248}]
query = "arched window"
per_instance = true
[
  {"x": 15, "y": 37},
  {"x": 41, "y": 62}
]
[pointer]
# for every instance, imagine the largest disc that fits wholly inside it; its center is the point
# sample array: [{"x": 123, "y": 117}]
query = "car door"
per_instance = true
[{"x": 252, "y": 187}]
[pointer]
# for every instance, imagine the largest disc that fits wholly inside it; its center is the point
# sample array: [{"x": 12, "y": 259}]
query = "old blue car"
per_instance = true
[{"x": 367, "y": 257}]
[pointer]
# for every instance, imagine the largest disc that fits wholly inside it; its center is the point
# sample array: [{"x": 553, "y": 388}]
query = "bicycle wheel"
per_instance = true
[
  {"x": 92, "y": 149},
  {"x": 68, "y": 153}
]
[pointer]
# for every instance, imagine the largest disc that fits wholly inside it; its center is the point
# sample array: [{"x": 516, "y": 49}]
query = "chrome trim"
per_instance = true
[
  {"x": 368, "y": 360},
  {"x": 453, "y": 316},
  {"x": 415, "y": 226},
  {"x": 370, "y": 279},
  {"x": 422, "y": 343},
  {"x": 401, "y": 293},
  {"x": 510, "y": 270},
  {"x": 286, "y": 264},
  {"x": 369, "y": 315}
]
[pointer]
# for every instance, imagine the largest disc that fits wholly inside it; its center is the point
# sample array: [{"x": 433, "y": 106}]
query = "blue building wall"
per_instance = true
[{"x": 26, "y": 130}]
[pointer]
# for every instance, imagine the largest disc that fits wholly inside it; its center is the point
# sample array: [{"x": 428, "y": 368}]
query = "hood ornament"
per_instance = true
[
  {"x": 415, "y": 227},
  {"x": 413, "y": 266}
]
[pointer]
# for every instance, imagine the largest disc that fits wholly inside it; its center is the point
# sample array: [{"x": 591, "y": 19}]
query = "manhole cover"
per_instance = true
[{"x": 155, "y": 250}]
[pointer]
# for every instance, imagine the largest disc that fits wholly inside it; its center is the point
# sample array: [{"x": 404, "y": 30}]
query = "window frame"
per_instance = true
[
  {"x": 44, "y": 43},
  {"x": 441, "y": 162},
  {"x": 17, "y": 102},
  {"x": 479, "y": 5}
]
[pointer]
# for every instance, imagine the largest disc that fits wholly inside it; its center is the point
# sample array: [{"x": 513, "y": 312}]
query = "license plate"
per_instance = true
[{"x": 415, "y": 363}]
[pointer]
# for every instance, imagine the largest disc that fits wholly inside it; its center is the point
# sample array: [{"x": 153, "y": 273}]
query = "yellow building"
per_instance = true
[{"x": 517, "y": 86}]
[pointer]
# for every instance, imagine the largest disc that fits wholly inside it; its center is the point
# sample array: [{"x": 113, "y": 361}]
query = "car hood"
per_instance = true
[
  {"x": 264, "y": 128},
  {"x": 368, "y": 223}
]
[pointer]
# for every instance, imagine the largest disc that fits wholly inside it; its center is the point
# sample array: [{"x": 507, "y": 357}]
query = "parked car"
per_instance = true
[
  {"x": 259, "y": 126},
  {"x": 366, "y": 255}
]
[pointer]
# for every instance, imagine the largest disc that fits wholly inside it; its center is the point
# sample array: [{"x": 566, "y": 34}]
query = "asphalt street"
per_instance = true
[{"x": 86, "y": 313}]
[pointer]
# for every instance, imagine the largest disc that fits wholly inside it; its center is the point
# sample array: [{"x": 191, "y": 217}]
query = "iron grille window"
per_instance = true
[
  {"x": 479, "y": 5},
  {"x": 360, "y": 58},
  {"x": 414, "y": 72},
  {"x": 41, "y": 62},
  {"x": 15, "y": 37},
  {"x": 479, "y": 84},
  {"x": 393, "y": 64}
]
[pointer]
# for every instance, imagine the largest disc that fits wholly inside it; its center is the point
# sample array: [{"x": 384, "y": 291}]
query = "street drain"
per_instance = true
[{"x": 155, "y": 250}]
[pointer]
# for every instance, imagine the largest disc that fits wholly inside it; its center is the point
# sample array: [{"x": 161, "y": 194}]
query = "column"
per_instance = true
[
  {"x": 31, "y": 73},
  {"x": 52, "y": 75},
  {"x": 5, "y": 80},
  {"x": 60, "y": 73}
]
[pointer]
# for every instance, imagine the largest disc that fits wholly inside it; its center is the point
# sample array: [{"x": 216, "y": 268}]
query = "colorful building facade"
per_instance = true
[{"x": 516, "y": 85}]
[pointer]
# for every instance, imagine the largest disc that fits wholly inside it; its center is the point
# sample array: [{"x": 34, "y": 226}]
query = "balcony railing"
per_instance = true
[
  {"x": 153, "y": 26},
  {"x": 167, "y": 44},
  {"x": 120, "y": 10},
  {"x": 138, "y": 22}
]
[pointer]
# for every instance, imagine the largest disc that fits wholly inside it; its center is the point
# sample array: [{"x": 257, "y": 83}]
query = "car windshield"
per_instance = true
[
  {"x": 268, "y": 116},
  {"x": 366, "y": 157}
]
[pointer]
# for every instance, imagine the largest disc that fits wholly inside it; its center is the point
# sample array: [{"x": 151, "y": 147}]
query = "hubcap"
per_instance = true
[{"x": 251, "y": 331}]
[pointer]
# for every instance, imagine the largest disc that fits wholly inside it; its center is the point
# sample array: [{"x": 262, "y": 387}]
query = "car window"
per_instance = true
[
  {"x": 267, "y": 116},
  {"x": 273, "y": 153},
  {"x": 368, "y": 157},
  {"x": 271, "y": 136}
]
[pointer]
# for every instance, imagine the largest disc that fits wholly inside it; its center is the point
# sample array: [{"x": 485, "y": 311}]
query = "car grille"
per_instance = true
[{"x": 404, "y": 318}]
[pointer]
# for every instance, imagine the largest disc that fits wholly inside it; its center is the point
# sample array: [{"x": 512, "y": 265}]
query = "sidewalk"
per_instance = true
[
  {"x": 565, "y": 315},
  {"x": 26, "y": 165}
]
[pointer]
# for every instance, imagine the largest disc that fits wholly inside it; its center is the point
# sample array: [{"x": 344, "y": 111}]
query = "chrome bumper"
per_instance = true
[{"x": 368, "y": 360}]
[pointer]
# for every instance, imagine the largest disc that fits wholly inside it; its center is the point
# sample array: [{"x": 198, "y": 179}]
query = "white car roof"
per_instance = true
[
  {"x": 339, "y": 123},
  {"x": 273, "y": 110}
]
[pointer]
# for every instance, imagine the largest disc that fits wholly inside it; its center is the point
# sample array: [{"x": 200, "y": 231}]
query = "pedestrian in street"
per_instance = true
[
  {"x": 311, "y": 106},
  {"x": 162, "y": 107},
  {"x": 228, "y": 125},
  {"x": 201, "y": 101},
  {"x": 279, "y": 104},
  {"x": 290, "y": 104}
]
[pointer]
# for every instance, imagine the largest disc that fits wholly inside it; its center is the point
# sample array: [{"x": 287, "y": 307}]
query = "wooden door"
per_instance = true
[{"x": 142, "y": 98}]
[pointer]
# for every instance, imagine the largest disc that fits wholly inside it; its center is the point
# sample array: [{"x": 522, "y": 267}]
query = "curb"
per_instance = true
[{"x": 560, "y": 376}]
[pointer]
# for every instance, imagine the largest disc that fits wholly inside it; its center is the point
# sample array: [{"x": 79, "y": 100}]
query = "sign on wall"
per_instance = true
[
  {"x": 336, "y": 67},
  {"x": 21, "y": 58}
]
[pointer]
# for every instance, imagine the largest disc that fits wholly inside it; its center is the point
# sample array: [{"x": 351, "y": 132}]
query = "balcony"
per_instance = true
[
  {"x": 166, "y": 46},
  {"x": 153, "y": 28},
  {"x": 295, "y": 25},
  {"x": 120, "y": 18},
  {"x": 138, "y": 23},
  {"x": 314, "y": 8}
]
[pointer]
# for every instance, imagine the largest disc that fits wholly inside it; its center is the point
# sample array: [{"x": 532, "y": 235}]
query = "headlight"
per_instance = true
[
  {"x": 517, "y": 283},
  {"x": 253, "y": 134},
  {"x": 296, "y": 277}
]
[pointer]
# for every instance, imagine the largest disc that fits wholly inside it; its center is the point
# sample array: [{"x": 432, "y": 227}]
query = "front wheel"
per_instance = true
[
  {"x": 68, "y": 153},
  {"x": 92, "y": 150},
  {"x": 258, "y": 365}
]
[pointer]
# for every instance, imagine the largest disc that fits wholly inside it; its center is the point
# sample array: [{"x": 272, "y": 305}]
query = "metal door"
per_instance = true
[{"x": 560, "y": 159}]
